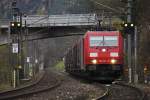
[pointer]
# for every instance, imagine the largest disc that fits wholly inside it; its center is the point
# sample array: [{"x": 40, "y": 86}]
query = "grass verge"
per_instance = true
[{"x": 60, "y": 66}]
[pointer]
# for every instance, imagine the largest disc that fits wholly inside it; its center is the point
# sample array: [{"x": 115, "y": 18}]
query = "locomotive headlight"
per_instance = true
[
  {"x": 114, "y": 54},
  {"x": 103, "y": 50},
  {"x": 113, "y": 61},
  {"x": 94, "y": 61},
  {"x": 93, "y": 54}
]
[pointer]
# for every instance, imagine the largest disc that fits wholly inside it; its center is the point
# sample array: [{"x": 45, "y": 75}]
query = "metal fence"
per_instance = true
[
  {"x": 59, "y": 20},
  {"x": 55, "y": 20}
]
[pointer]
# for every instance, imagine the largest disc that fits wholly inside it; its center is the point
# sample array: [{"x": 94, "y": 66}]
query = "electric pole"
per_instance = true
[
  {"x": 129, "y": 20},
  {"x": 135, "y": 55},
  {"x": 16, "y": 45},
  {"x": 132, "y": 40}
]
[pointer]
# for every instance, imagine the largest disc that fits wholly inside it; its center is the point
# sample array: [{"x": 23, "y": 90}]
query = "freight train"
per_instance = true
[{"x": 98, "y": 54}]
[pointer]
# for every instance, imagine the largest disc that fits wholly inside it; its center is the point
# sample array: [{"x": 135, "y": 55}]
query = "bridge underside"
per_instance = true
[
  {"x": 46, "y": 32},
  {"x": 50, "y": 32}
]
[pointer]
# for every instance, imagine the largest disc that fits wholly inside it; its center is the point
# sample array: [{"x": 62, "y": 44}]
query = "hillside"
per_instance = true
[{"x": 46, "y": 7}]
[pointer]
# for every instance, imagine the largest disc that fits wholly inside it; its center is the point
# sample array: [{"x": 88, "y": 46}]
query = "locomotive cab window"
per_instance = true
[
  {"x": 110, "y": 40},
  {"x": 96, "y": 41},
  {"x": 99, "y": 41}
]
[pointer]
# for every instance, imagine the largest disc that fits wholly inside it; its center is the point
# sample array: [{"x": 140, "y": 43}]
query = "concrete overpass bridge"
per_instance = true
[{"x": 46, "y": 26}]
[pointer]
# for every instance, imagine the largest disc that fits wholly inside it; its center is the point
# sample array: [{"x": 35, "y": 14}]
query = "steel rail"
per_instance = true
[
  {"x": 18, "y": 93},
  {"x": 141, "y": 93},
  {"x": 105, "y": 94},
  {"x": 21, "y": 88},
  {"x": 28, "y": 85}
]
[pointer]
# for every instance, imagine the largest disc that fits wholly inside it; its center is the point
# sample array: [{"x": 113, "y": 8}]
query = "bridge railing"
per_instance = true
[
  {"x": 60, "y": 20},
  {"x": 55, "y": 20}
]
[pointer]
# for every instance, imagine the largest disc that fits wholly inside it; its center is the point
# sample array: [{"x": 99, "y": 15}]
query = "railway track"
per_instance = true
[
  {"x": 105, "y": 93},
  {"x": 104, "y": 90},
  {"x": 120, "y": 91},
  {"x": 47, "y": 82}
]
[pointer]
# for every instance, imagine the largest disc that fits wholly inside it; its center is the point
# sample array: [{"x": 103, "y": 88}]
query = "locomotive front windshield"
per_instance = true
[{"x": 103, "y": 41}]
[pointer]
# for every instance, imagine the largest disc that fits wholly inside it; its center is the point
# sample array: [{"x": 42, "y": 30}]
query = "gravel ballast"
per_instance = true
[{"x": 70, "y": 89}]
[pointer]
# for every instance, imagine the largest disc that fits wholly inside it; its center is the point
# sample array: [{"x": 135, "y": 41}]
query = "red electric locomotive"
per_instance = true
[{"x": 98, "y": 54}]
